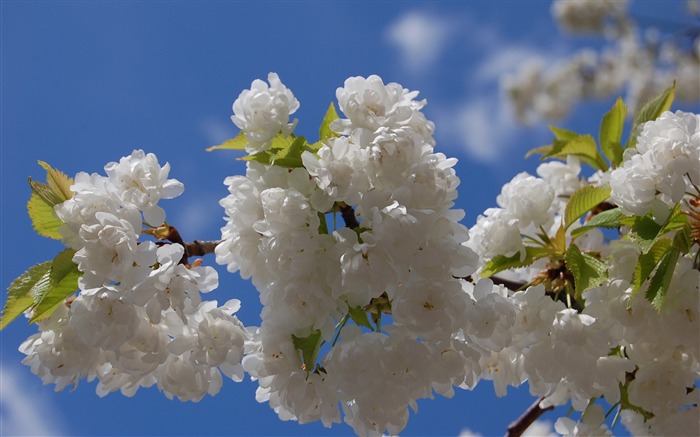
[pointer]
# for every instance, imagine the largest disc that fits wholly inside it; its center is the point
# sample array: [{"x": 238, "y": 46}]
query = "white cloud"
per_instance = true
[
  {"x": 23, "y": 412},
  {"x": 199, "y": 216},
  {"x": 483, "y": 124},
  {"x": 504, "y": 59},
  {"x": 540, "y": 428},
  {"x": 420, "y": 38},
  {"x": 216, "y": 130},
  {"x": 483, "y": 127}
]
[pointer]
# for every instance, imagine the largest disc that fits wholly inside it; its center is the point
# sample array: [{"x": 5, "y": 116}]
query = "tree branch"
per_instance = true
[
  {"x": 200, "y": 248},
  {"x": 348, "y": 215},
  {"x": 518, "y": 427}
]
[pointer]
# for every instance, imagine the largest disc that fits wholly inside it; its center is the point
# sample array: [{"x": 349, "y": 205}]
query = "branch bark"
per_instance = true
[
  {"x": 522, "y": 423},
  {"x": 200, "y": 248}
]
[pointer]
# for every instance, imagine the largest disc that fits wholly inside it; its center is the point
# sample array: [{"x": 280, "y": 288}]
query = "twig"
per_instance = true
[
  {"x": 200, "y": 248},
  {"x": 518, "y": 427}
]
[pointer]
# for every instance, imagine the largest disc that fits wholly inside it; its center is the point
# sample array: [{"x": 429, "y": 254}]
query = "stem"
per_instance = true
[
  {"x": 510, "y": 285},
  {"x": 348, "y": 215},
  {"x": 517, "y": 428},
  {"x": 200, "y": 248}
]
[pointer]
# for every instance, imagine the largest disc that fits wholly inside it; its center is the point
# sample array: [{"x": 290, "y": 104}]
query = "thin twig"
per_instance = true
[{"x": 517, "y": 428}]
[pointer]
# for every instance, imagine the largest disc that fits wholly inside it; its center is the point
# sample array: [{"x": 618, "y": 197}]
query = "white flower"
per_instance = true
[
  {"x": 139, "y": 180},
  {"x": 339, "y": 170},
  {"x": 495, "y": 233},
  {"x": 263, "y": 112},
  {"x": 432, "y": 310},
  {"x": 370, "y": 104},
  {"x": 662, "y": 168},
  {"x": 592, "y": 424},
  {"x": 527, "y": 199}
]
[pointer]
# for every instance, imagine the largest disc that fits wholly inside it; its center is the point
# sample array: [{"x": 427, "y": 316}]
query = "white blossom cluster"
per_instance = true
[
  {"x": 138, "y": 319},
  {"x": 406, "y": 249},
  {"x": 577, "y": 355},
  {"x": 370, "y": 286},
  {"x": 640, "y": 64},
  {"x": 664, "y": 166},
  {"x": 527, "y": 204}
]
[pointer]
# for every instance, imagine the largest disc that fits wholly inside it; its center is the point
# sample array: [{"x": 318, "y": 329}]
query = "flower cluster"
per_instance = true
[
  {"x": 373, "y": 293},
  {"x": 662, "y": 168},
  {"x": 632, "y": 61},
  {"x": 608, "y": 338},
  {"x": 138, "y": 319},
  {"x": 398, "y": 254}
]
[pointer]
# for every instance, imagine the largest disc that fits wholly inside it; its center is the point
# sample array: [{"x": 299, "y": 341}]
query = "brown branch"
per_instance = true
[
  {"x": 518, "y": 427},
  {"x": 348, "y": 215},
  {"x": 510, "y": 285},
  {"x": 200, "y": 248}
]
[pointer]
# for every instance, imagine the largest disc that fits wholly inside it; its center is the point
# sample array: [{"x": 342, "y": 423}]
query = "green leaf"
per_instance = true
[
  {"x": 610, "y": 135},
  {"x": 58, "y": 182},
  {"x": 644, "y": 232},
  {"x": 583, "y": 146},
  {"x": 682, "y": 240},
  {"x": 648, "y": 261},
  {"x": 583, "y": 200},
  {"x": 563, "y": 134},
  {"x": 63, "y": 281},
  {"x": 236, "y": 143},
  {"x": 263, "y": 157},
  {"x": 359, "y": 316},
  {"x": 677, "y": 219},
  {"x": 309, "y": 347},
  {"x": 325, "y": 131},
  {"x": 658, "y": 286},
  {"x": 290, "y": 157},
  {"x": 651, "y": 110},
  {"x": 44, "y": 220},
  {"x": 606, "y": 219},
  {"x": 542, "y": 150},
  {"x": 43, "y": 199},
  {"x": 501, "y": 262},
  {"x": 20, "y": 295},
  {"x": 588, "y": 271}
]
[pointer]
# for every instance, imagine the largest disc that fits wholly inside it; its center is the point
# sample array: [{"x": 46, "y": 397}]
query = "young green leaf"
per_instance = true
[
  {"x": 542, "y": 150},
  {"x": 359, "y": 316},
  {"x": 20, "y": 295},
  {"x": 563, "y": 134},
  {"x": 583, "y": 200},
  {"x": 651, "y": 111},
  {"x": 58, "y": 182},
  {"x": 63, "y": 281},
  {"x": 588, "y": 271},
  {"x": 648, "y": 261},
  {"x": 322, "y": 225},
  {"x": 309, "y": 347},
  {"x": 43, "y": 199},
  {"x": 325, "y": 131},
  {"x": 236, "y": 143},
  {"x": 583, "y": 146},
  {"x": 658, "y": 285},
  {"x": 677, "y": 219},
  {"x": 500, "y": 262},
  {"x": 290, "y": 157},
  {"x": 606, "y": 219},
  {"x": 683, "y": 240},
  {"x": 644, "y": 232},
  {"x": 44, "y": 220},
  {"x": 610, "y": 135}
]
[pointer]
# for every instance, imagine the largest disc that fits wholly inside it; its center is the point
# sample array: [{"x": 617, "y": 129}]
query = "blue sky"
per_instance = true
[{"x": 84, "y": 83}]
